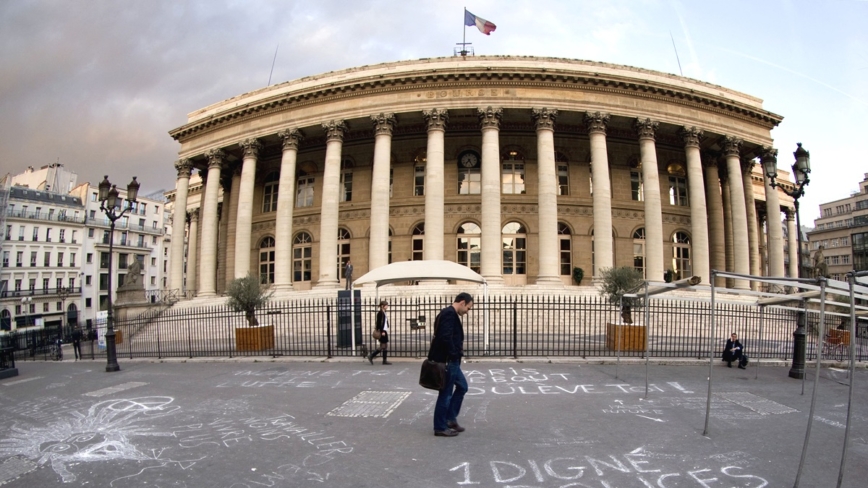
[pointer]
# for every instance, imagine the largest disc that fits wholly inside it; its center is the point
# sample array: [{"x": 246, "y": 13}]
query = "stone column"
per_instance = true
[
  {"x": 208, "y": 267},
  {"x": 740, "y": 244},
  {"x": 193, "y": 253},
  {"x": 773, "y": 210},
  {"x": 492, "y": 270},
  {"x": 792, "y": 242},
  {"x": 230, "y": 211},
  {"x": 328, "y": 229},
  {"x": 603, "y": 245},
  {"x": 378, "y": 247},
  {"x": 435, "y": 183},
  {"x": 244, "y": 224},
  {"x": 223, "y": 232},
  {"x": 727, "y": 223},
  {"x": 716, "y": 239},
  {"x": 699, "y": 213},
  {"x": 285, "y": 204},
  {"x": 753, "y": 227},
  {"x": 179, "y": 224},
  {"x": 654, "y": 260},
  {"x": 548, "y": 275}
]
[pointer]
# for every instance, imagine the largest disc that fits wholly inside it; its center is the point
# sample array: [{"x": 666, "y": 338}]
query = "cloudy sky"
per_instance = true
[{"x": 97, "y": 84}]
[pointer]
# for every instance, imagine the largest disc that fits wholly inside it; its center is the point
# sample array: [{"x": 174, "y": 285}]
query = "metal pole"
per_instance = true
[
  {"x": 797, "y": 369},
  {"x": 111, "y": 354},
  {"x": 647, "y": 339},
  {"x": 816, "y": 382},
  {"x": 851, "y": 277},
  {"x": 756, "y": 364},
  {"x": 710, "y": 354}
]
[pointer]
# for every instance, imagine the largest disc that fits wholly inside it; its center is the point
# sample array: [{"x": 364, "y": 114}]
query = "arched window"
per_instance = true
[
  {"x": 565, "y": 242},
  {"x": 470, "y": 246},
  {"x": 343, "y": 251},
  {"x": 418, "y": 242},
  {"x": 681, "y": 256},
  {"x": 301, "y": 257},
  {"x": 514, "y": 237},
  {"x": 5, "y": 320},
  {"x": 512, "y": 174},
  {"x": 266, "y": 261},
  {"x": 269, "y": 192},
  {"x": 639, "y": 250},
  {"x": 346, "y": 180},
  {"x": 469, "y": 174},
  {"x": 72, "y": 315}
]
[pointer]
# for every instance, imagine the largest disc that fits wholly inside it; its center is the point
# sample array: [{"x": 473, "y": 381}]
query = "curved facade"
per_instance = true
[{"x": 510, "y": 165}]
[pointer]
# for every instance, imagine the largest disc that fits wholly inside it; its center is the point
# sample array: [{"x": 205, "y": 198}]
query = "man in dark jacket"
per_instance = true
[
  {"x": 734, "y": 352},
  {"x": 448, "y": 347}
]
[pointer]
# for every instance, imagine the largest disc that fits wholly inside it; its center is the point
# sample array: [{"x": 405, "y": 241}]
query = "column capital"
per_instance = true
[
  {"x": 251, "y": 147},
  {"x": 646, "y": 128},
  {"x": 184, "y": 167},
  {"x": 596, "y": 122},
  {"x": 731, "y": 145},
  {"x": 747, "y": 165},
  {"x": 335, "y": 130},
  {"x": 768, "y": 153},
  {"x": 544, "y": 118},
  {"x": 789, "y": 213},
  {"x": 691, "y": 136},
  {"x": 193, "y": 215},
  {"x": 436, "y": 118},
  {"x": 710, "y": 159},
  {"x": 226, "y": 177},
  {"x": 291, "y": 138},
  {"x": 490, "y": 117},
  {"x": 384, "y": 123},
  {"x": 215, "y": 157}
]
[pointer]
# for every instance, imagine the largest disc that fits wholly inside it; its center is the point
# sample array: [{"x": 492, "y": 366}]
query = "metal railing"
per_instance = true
[{"x": 516, "y": 327}]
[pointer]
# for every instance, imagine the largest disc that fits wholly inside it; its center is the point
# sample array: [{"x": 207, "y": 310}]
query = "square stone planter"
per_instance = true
[
  {"x": 254, "y": 338},
  {"x": 628, "y": 337}
]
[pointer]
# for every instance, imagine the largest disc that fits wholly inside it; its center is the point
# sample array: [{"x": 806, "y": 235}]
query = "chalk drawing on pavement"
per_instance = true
[{"x": 371, "y": 404}]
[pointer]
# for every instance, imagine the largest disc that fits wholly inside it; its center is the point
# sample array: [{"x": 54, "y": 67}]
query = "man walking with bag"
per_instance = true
[{"x": 448, "y": 347}]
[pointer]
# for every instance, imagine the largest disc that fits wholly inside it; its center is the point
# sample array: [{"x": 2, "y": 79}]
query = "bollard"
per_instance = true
[{"x": 799, "y": 341}]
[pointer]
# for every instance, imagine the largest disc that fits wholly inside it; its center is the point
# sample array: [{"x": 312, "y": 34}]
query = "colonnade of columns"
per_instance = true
[{"x": 724, "y": 233}]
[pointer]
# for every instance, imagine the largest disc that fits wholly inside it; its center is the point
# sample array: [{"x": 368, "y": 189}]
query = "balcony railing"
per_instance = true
[
  {"x": 43, "y": 216},
  {"x": 76, "y": 290},
  {"x": 104, "y": 222}
]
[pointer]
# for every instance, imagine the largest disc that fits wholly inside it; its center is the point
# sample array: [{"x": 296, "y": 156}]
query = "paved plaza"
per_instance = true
[{"x": 254, "y": 423}]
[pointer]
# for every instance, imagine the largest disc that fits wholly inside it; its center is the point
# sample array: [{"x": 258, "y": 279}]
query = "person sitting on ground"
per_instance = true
[{"x": 734, "y": 351}]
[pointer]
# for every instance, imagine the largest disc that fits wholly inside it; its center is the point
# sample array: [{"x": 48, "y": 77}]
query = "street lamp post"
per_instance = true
[
  {"x": 25, "y": 304},
  {"x": 801, "y": 169},
  {"x": 110, "y": 204},
  {"x": 63, "y": 293}
]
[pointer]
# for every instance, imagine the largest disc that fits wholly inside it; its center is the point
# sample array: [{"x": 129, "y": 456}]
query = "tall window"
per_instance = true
[
  {"x": 301, "y": 257},
  {"x": 418, "y": 242},
  {"x": 269, "y": 192},
  {"x": 469, "y": 174},
  {"x": 681, "y": 255},
  {"x": 637, "y": 191},
  {"x": 346, "y": 180},
  {"x": 266, "y": 261},
  {"x": 304, "y": 191},
  {"x": 470, "y": 246},
  {"x": 343, "y": 251},
  {"x": 677, "y": 185},
  {"x": 36, "y": 234},
  {"x": 514, "y": 237},
  {"x": 563, "y": 173},
  {"x": 512, "y": 174},
  {"x": 419, "y": 178},
  {"x": 639, "y": 250},
  {"x": 565, "y": 247}
]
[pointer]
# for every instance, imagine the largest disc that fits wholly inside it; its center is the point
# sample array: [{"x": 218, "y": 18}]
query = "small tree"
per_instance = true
[
  {"x": 578, "y": 275},
  {"x": 246, "y": 295},
  {"x": 617, "y": 282}
]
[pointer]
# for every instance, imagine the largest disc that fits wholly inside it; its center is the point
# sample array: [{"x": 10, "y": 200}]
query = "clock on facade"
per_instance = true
[{"x": 468, "y": 159}]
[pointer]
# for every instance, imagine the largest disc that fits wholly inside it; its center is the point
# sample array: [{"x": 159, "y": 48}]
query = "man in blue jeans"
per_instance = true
[{"x": 448, "y": 347}]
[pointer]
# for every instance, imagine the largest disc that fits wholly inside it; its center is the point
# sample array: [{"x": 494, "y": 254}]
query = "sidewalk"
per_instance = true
[{"x": 251, "y": 422}]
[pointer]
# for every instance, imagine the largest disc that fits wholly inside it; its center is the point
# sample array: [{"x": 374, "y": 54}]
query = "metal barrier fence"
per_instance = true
[{"x": 519, "y": 326}]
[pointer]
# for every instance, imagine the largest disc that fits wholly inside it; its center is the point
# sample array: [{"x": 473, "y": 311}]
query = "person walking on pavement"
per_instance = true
[
  {"x": 383, "y": 327},
  {"x": 448, "y": 347},
  {"x": 348, "y": 273},
  {"x": 76, "y": 342}
]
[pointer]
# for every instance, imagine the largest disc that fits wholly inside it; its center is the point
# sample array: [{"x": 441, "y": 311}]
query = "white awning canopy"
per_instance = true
[{"x": 419, "y": 271}]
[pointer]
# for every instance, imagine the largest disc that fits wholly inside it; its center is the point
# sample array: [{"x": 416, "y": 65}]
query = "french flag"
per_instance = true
[{"x": 483, "y": 25}]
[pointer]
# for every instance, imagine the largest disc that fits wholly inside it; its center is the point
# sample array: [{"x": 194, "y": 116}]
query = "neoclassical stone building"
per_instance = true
[{"x": 522, "y": 168}]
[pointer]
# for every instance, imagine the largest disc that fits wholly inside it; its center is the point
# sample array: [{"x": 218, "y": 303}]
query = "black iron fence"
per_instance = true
[{"x": 503, "y": 326}]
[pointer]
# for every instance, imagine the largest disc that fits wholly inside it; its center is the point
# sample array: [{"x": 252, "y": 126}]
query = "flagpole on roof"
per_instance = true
[{"x": 464, "y": 39}]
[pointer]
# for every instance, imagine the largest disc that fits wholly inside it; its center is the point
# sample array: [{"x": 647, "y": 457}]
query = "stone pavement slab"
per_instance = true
[{"x": 349, "y": 424}]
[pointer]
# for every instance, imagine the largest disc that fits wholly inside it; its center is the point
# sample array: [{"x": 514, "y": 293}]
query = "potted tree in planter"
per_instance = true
[
  {"x": 578, "y": 275},
  {"x": 246, "y": 295},
  {"x": 614, "y": 284}
]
